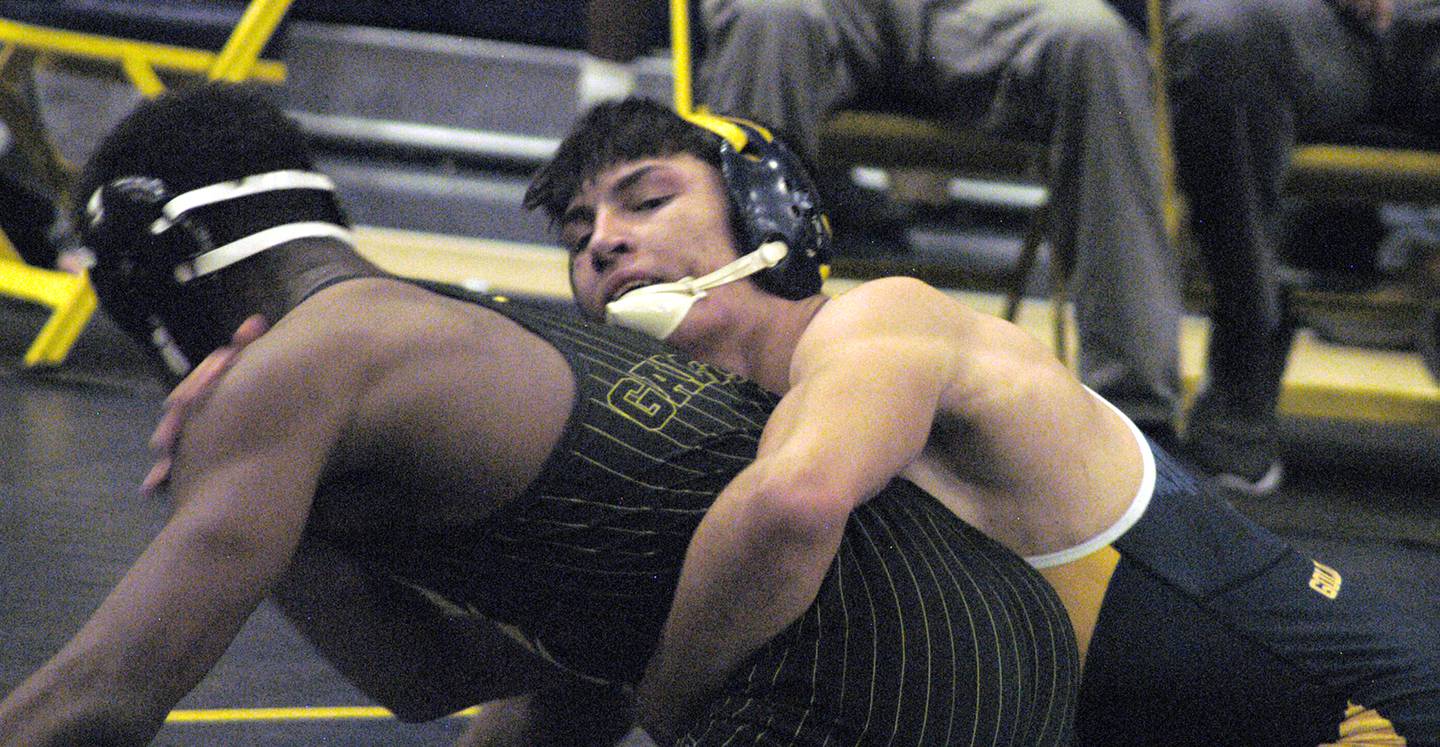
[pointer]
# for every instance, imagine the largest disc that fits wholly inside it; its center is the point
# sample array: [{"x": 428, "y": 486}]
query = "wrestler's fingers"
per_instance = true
[
  {"x": 195, "y": 387},
  {"x": 1377, "y": 14},
  {"x": 159, "y": 473},
  {"x": 1384, "y": 15},
  {"x": 177, "y": 403},
  {"x": 200, "y": 381},
  {"x": 174, "y": 412},
  {"x": 249, "y": 331}
]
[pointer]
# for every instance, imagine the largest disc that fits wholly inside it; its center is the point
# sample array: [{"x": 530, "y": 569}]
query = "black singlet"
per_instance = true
[{"x": 925, "y": 631}]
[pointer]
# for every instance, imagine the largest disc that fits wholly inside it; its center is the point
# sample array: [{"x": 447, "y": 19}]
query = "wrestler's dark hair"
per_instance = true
[
  {"x": 771, "y": 195},
  {"x": 186, "y": 139},
  {"x": 195, "y": 136},
  {"x": 612, "y": 133}
]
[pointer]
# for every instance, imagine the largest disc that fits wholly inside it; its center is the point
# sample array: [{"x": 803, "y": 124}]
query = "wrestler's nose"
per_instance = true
[{"x": 609, "y": 235}]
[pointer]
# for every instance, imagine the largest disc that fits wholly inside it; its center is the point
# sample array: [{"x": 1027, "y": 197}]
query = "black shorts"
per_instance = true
[{"x": 1216, "y": 632}]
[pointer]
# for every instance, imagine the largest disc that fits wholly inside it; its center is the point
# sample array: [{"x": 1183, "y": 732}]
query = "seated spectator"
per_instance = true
[
  {"x": 1250, "y": 78},
  {"x": 1073, "y": 74}
]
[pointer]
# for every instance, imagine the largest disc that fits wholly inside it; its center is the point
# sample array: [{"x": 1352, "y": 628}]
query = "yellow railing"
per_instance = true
[{"x": 22, "y": 46}]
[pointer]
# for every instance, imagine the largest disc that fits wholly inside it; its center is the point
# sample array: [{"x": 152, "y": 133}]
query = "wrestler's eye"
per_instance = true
[
  {"x": 644, "y": 203},
  {"x": 575, "y": 235},
  {"x": 578, "y": 245}
]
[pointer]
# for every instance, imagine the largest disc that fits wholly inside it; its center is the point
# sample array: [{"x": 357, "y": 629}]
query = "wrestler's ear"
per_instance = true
[{"x": 132, "y": 266}]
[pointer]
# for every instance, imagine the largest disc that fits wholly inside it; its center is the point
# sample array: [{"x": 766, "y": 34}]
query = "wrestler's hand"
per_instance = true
[
  {"x": 500, "y": 723},
  {"x": 188, "y": 394},
  {"x": 573, "y": 714},
  {"x": 1375, "y": 14}
]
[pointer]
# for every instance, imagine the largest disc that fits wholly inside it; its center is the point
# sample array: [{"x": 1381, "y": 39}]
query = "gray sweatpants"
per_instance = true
[{"x": 1069, "y": 73}]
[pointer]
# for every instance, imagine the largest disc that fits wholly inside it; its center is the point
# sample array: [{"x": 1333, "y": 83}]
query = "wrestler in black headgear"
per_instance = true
[
  {"x": 771, "y": 193},
  {"x": 192, "y": 190}
]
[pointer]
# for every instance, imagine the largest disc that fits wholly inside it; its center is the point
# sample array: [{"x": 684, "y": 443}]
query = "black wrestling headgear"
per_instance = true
[
  {"x": 151, "y": 246},
  {"x": 773, "y": 198},
  {"x": 203, "y": 178},
  {"x": 782, "y": 234}
]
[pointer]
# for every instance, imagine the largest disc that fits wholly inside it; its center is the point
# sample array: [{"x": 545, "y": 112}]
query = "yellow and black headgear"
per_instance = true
[{"x": 773, "y": 197}]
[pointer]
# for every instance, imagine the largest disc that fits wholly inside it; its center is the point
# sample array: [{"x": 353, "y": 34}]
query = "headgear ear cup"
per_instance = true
[
  {"x": 117, "y": 229},
  {"x": 774, "y": 198}
]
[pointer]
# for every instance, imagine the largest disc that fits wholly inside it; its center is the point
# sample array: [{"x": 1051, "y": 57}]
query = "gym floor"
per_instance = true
[{"x": 72, "y": 453}]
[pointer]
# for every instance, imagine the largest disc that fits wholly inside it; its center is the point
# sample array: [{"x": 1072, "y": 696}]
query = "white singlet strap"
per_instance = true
[{"x": 1131, "y": 515}]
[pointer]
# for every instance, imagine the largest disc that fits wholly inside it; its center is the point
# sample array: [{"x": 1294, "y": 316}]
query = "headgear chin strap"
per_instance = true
[
  {"x": 228, "y": 254},
  {"x": 223, "y": 256},
  {"x": 658, "y": 309}
]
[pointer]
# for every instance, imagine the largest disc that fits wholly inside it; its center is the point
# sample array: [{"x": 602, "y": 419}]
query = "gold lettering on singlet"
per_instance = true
[
  {"x": 657, "y": 387},
  {"x": 1325, "y": 580}
]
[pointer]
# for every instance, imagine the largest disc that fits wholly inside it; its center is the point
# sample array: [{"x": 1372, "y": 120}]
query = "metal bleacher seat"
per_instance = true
[{"x": 146, "y": 43}]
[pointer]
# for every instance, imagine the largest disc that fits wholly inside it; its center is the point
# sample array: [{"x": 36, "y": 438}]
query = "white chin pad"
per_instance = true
[{"x": 657, "y": 310}]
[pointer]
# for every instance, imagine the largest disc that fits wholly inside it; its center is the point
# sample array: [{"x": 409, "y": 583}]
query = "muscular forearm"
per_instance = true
[{"x": 753, "y": 568}]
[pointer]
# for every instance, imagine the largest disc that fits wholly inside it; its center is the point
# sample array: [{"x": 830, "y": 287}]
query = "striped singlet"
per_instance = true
[{"x": 925, "y": 632}]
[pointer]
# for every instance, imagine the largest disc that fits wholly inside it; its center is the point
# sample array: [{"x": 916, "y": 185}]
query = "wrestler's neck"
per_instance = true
[
  {"x": 285, "y": 276},
  {"x": 755, "y": 338}
]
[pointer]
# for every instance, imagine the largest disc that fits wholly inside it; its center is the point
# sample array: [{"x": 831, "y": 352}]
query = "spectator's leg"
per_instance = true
[
  {"x": 778, "y": 61},
  {"x": 789, "y": 64},
  {"x": 1246, "y": 75},
  {"x": 1413, "y": 66},
  {"x": 1415, "y": 70},
  {"x": 1074, "y": 74}
]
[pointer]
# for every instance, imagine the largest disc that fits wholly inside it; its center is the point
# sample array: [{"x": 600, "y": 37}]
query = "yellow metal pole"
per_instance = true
[
  {"x": 680, "y": 56},
  {"x": 256, "y": 27},
  {"x": 1155, "y": 18},
  {"x": 142, "y": 75},
  {"x": 48, "y": 41}
]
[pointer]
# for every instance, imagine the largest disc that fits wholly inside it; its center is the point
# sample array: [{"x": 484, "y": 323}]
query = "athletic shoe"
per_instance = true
[
  {"x": 1259, "y": 487},
  {"x": 1237, "y": 454}
]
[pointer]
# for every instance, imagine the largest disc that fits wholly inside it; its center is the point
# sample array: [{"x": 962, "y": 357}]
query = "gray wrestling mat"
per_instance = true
[{"x": 72, "y": 452}]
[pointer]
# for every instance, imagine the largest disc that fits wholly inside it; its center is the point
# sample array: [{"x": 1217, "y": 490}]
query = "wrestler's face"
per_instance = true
[{"x": 644, "y": 222}]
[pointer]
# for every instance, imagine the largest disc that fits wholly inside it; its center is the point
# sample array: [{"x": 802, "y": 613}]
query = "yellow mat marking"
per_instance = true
[{"x": 307, "y": 713}]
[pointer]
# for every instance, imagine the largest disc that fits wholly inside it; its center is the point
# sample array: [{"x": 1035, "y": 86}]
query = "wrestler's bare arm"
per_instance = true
[
  {"x": 869, "y": 377},
  {"x": 243, "y": 485},
  {"x": 394, "y": 647},
  {"x": 1023, "y": 451},
  {"x": 855, "y": 414}
]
